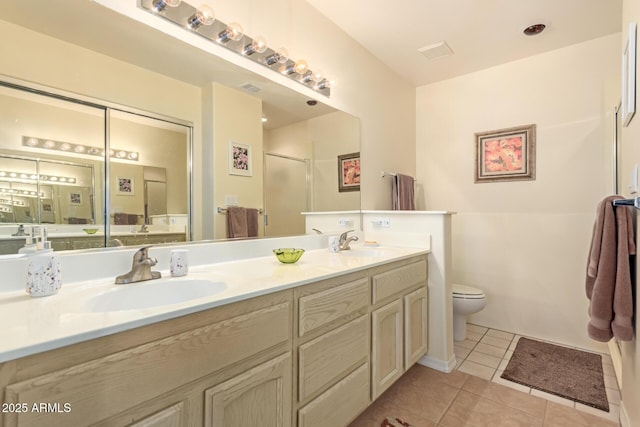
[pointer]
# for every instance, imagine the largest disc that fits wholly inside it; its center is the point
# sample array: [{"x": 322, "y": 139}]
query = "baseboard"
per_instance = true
[
  {"x": 624, "y": 418},
  {"x": 616, "y": 358},
  {"x": 438, "y": 364}
]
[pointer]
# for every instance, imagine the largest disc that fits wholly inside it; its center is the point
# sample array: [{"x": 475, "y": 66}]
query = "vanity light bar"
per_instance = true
[
  {"x": 21, "y": 193},
  {"x": 67, "y": 147},
  {"x": 32, "y": 177},
  {"x": 233, "y": 38},
  {"x": 5, "y": 209},
  {"x": 12, "y": 202}
]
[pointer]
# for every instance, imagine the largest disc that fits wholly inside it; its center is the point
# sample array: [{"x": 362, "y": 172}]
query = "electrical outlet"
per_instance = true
[
  {"x": 385, "y": 222},
  {"x": 345, "y": 222}
]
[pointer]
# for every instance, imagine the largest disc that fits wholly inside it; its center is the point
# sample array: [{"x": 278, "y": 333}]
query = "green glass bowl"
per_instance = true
[
  {"x": 90, "y": 230},
  {"x": 288, "y": 255}
]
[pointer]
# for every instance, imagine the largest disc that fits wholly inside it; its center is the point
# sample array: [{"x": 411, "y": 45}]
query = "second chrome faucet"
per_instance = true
[{"x": 344, "y": 240}]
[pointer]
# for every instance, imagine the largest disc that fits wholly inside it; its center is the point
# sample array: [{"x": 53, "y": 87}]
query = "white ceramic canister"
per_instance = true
[
  {"x": 179, "y": 262},
  {"x": 334, "y": 244},
  {"x": 44, "y": 274}
]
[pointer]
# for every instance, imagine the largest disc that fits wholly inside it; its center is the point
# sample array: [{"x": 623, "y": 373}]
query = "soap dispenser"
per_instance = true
[{"x": 44, "y": 273}]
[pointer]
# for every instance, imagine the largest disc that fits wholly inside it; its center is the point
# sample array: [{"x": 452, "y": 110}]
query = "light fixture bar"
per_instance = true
[
  {"x": 34, "y": 178},
  {"x": 67, "y": 147},
  {"x": 231, "y": 37}
]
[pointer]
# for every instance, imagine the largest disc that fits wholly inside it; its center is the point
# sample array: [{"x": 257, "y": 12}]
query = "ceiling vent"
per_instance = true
[
  {"x": 436, "y": 51},
  {"x": 250, "y": 88}
]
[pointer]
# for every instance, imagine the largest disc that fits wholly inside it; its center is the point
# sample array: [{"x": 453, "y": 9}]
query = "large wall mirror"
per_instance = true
[{"x": 152, "y": 181}]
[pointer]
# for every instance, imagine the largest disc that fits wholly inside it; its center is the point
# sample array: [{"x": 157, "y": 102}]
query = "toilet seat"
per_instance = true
[{"x": 467, "y": 292}]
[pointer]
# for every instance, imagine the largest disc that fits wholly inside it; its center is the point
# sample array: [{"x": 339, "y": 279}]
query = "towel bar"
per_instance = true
[
  {"x": 628, "y": 202},
  {"x": 223, "y": 211}
]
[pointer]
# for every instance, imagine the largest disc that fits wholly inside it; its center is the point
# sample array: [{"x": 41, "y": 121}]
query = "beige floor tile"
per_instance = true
[
  {"x": 500, "y": 334},
  {"x": 613, "y": 396},
  {"x": 461, "y": 352},
  {"x": 490, "y": 349},
  {"x": 553, "y": 398},
  {"x": 474, "y": 336},
  {"x": 612, "y": 415},
  {"x": 503, "y": 364},
  {"x": 476, "y": 328},
  {"x": 499, "y": 380},
  {"x": 470, "y": 410},
  {"x": 563, "y": 416},
  {"x": 484, "y": 359},
  {"x": 466, "y": 344},
  {"x": 496, "y": 342},
  {"x": 515, "y": 399},
  {"x": 476, "y": 370},
  {"x": 608, "y": 370},
  {"x": 610, "y": 381}
]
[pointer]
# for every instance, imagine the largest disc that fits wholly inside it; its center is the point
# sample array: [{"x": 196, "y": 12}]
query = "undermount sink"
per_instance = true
[
  {"x": 368, "y": 253},
  {"x": 152, "y": 293}
]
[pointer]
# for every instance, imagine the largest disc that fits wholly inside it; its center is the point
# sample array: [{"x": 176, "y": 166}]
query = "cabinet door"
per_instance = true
[
  {"x": 169, "y": 417},
  {"x": 415, "y": 326},
  {"x": 386, "y": 353},
  {"x": 259, "y": 397}
]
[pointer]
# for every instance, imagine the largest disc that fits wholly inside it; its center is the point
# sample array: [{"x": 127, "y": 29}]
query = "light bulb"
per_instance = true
[
  {"x": 280, "y": 56},
  {"x": 49, "y": 144},
  {"x": 325, "y": 84},
  {"x": 121, "y": 154},
  {"x": 160, "y": 5},
  {"x": 204, "y": 16},
  {"x": 79, "y": 149},
  {"x": 63, "y": 179},
  {"x": 300, "y": 66},
  {"x": 317, "y": 76},
  {"x": 233, "y": 32},
  {"x": 132, "y": 156},
  {"x": 65, "y": 146},
  {"x": 53, "y": 178},
  {"x": 71, "y": 180},
  {"x": 259, "y": 45},
  {"x": 32, "y": 142}
]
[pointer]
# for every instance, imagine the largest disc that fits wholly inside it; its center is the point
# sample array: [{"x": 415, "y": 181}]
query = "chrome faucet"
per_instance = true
[
  {"x": 344, "y": 241},
  {"x": 115, "y": 242},
  {"x": 140, "y": 269},
  {"x": 20, "y": 231},
  {"x": 144, "y": 228}
]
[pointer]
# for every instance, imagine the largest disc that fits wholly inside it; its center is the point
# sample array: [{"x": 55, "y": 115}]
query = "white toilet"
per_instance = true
[{"x": 466, "y": 300}]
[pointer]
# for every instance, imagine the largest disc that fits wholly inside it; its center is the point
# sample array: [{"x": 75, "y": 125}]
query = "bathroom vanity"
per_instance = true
[{"x": 307, "y": 344}]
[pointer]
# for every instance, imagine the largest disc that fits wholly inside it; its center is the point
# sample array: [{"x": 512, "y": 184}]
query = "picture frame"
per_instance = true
[
  {"x": 506, "y": 154},
  {"x": 240, "y": 159},
  {"x": 75, "y": 199},
  {"x": 125, "y": 186},
  {"x": 47, "y": 207},
  {"x": 628, "y": 104},
  {"x": 349, "y": 172}
]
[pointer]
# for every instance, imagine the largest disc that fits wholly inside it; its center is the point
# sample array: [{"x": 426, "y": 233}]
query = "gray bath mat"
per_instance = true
[{"x": 565, "y": 372}]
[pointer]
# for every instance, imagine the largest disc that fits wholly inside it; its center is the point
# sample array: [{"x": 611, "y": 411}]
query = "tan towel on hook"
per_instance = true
[
  {"x": 608, "y": 283},
  {"x": 252, "y": 222},
  {"x": 403, "y": 196},
  {"x": 237, "y": 222}
]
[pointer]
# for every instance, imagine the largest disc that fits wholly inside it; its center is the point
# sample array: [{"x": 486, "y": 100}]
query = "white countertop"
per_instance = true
[{"x": 34, "y": 325}]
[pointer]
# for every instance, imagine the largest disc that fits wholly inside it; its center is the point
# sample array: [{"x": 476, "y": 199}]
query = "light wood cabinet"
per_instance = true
[
  {"x": 258, "y": 397},
  {"x": 399, "y": 322},
  {"x": 386, "y": 352},
  {"x": 312, "y": 356},
  {"x": 173, "y": 416}
]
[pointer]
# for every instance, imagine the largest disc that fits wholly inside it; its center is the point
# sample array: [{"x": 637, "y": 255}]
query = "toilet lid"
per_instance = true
[{"x": 465, "y": 291}]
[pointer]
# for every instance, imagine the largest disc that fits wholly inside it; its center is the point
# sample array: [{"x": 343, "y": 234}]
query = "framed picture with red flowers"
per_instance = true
[
  {"x": 240, "y": 159},
  {"x": 349, "y": 172},
  {"x": 506, "y": 154}
]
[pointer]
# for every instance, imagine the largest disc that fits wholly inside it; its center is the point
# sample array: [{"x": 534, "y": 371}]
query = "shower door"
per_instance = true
[{"x": 286, "y": 194}]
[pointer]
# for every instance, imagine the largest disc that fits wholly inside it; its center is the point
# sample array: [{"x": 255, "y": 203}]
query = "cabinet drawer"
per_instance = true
[
  {"x": 340, "y": 404},
  {"x": 325, "y": 359},
  {"x": 319, "y": 309},
  {"x": 136, "y": 375},
  {"x": 398, "y": 280}
]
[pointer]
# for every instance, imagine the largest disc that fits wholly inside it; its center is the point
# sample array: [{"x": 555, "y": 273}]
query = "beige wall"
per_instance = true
[
  {"x": 524, "y": 243},
  {"x": 236, "y": 117},
  {"x": 630, "y": 150}
]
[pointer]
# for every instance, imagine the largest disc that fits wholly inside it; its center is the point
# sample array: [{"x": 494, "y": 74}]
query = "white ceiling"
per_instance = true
[{"x": 481, "y": 33}]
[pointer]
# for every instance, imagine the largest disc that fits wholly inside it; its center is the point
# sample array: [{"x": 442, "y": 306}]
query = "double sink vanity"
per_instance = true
[{"x": 248, "y": 342}]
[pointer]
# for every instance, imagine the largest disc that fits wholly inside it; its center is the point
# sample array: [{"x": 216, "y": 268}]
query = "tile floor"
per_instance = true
[{"x": 474, "y": 395}]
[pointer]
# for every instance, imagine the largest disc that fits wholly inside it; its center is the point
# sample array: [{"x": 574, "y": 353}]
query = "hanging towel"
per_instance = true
[
  {"x": 403, "y": 197},
  {"x": 608, "y": 283},
  {"x": 237, "y": 222},
  {"x": 252, "y": 222}
]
